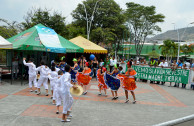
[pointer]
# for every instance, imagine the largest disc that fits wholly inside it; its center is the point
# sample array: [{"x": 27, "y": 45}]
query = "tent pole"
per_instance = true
[
  {"x": 11, "y": 67},
  {"x": 22, "y": 70}
]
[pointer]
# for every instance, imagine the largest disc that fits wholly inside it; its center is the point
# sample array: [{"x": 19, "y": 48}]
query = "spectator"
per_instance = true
[
  {"x": 101, "y": 63},
  {"x": 163, "y": 64},
  {"x": 152, "y": 62},
  {"x": 179, "y": 64},
  {"x": 113, "y": 62},
  {"x": 185, "y": 68},
  {"x": 95, "y": 66}
]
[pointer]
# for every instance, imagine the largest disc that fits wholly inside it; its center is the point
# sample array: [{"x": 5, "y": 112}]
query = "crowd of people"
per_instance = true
[
  {"x": 62, "y": 77},
  {"x": 110, "y": 73}
]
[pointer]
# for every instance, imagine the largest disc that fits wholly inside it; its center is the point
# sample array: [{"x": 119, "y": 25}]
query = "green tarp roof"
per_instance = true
[
  {"x": 29, "y": 40},
  {"x": 130, "y": 49}
]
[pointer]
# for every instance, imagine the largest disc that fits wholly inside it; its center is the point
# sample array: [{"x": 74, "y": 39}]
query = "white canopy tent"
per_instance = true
[{"x": 4, "y": 44}]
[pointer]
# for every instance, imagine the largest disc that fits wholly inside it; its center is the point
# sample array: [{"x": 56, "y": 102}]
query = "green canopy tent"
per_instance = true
[{"x": 30, "y": 40}]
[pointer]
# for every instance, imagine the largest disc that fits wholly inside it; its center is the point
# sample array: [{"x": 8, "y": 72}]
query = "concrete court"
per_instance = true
[{"x": 155, "y": 104}]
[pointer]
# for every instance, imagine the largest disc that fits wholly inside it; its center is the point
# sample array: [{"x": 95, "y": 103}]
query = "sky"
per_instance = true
[{"x": 179, "y": 12}]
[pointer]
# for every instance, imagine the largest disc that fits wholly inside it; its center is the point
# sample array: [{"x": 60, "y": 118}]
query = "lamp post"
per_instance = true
[
  {"x": 89, "y": 21},
  {"x": 178, "y": 33}
]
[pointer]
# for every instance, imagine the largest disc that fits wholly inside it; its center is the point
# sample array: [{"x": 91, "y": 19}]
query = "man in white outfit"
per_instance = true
[
  {"x": 64, "y": 92},
  {"x": 32, "y": 73},
  {"x": 163, "y": 64},
  {"x": 44, "y": 71}
]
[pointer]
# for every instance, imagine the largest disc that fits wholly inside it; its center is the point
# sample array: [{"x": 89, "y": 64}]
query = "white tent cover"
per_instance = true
[{"x": 4, "y": 44}]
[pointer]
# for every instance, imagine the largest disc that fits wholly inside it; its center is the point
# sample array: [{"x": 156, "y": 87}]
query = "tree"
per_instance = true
[
  {"x": 73, "y": 31},
  {"x": 107, "y": 23},
  {"x": 9, "y": 29},
  {"x": 153, "y": 54},
  {"x": 185, "y": 49},
  {"x": 53, "y": 20},
  {"x": 142, "y": 22},
  {"x": 169, "y": 49}
]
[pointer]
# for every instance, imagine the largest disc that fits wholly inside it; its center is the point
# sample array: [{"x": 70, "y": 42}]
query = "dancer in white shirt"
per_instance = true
[
  {"x": 32, "y": 73},
  {"x": 44, "y": 71},
  {"x": 64, "y": 92}
]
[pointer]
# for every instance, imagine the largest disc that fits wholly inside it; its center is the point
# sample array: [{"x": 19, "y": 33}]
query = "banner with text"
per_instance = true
[{"x": 162, "y": 74}]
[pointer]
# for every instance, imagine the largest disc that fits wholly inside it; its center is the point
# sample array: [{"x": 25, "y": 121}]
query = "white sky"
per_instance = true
[{"x": 180, "y": 12}]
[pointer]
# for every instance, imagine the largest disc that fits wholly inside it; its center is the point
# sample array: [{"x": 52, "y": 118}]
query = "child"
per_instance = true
[
  {"x": 64, "y": 92},
  {"x": 57, "y": 88},
  {"x": 74, "y": 71},
  {"x": 84, "y": 78},
  {"x": 44, "y": 70},
  {"x": 53, "y": 78},
  {"x": 114, "y": 73},
  {"x": 129, "y": 84},
  {"x": 101, "y": 83},
  {"x": 32, "y": 73}
]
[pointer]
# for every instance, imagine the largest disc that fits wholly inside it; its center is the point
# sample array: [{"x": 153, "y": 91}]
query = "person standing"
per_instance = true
[
  {"x": 179, "y": 65},
  {"x": 95, "y": 66},
  {"x": 152, "y": 63},
  {"x": 32, "y": 73},
  {"x": 113, "y": 62},
  {"x": 163, "y": 64}
]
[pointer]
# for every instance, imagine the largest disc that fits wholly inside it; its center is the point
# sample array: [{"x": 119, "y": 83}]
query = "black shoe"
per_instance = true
[
  {"x": 116, "y": 97},
  {"x": 113, "y": 98},
  {"x": 38, "y": 93},
  {"x": 51, "y": 97},
  {"x": 174, "y": 86},
  {"x": 134, "y": 102},
  {"x": 47, "y": 95},
  {"x": 57, "y": 112}
]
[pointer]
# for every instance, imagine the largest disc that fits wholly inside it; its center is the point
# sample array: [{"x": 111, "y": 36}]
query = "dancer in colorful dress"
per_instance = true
[
  {"x": 83, "y": 78},
  {"x": 114, "y": 73},
  {"x": 62, "y": 64},
  {"x": 101, "y": 83},
  {"x": 74, "y": 71},
  {"x": 128, "y": 83}
]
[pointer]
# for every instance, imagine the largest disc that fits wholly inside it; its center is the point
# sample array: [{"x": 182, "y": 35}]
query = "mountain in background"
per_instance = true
[{"x": 172, "y": 34}]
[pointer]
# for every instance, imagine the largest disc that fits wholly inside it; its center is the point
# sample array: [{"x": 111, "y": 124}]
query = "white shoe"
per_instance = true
[
  {"x": 67, "y": 120},
  {"x": 31, "y": 90},
  {"x": 127, "y": 101}
]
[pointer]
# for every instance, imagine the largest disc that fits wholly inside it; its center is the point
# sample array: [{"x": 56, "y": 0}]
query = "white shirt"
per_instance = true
[
  {"x": 43, "y": 71},
  {"x": 32, "y": 68},
  {"x": 113, "y": 62},
  {"x": 65, "y": 82},
  {"x": 101, "y": 64},
  {"x": 163, "y": 64}
]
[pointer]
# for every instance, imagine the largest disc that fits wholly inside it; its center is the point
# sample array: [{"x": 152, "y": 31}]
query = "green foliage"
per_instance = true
[
  {"x": 53, "y": 20},
  {"x": 108, "y": 22},
  {"x": 153, "y": 54},
  {"x": 73, "y": 31},
  {"x": 169, "y": 48},
  {"x": 9, "y": 29},
  {"x": 142, "y": 21},
  {"x": 185, "y": 49}
]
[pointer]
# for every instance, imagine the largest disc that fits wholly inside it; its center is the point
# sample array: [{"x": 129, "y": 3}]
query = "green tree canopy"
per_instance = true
[
  {"x": 169, "y": 49},
  {"x": 185, "y": 49},
  {"x": 142, "y": 21},
  {"x": 53, "y": 20}
]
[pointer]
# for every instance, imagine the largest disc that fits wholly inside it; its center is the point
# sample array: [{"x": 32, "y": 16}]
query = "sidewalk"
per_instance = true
[{"x": 155, "y": 104}]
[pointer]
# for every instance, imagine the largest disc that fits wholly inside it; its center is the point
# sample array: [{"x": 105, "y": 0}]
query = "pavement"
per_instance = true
[{"x": 155, "y": 104}]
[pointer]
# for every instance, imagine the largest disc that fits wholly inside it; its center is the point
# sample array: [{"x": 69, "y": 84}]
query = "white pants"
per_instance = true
[
  {"x": 44, "y": 81},
  {"x": 32, "y": 78},
  {"x": 58, "y": 97},
  {"x": 67, "y": 102},
  {"x": 52, "y": 84},
  {"x": 54, "y": 94}
]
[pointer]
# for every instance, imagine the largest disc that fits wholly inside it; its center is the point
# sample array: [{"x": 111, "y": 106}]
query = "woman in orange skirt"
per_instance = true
[
  {"x": 128, "y": 83},
  {"x": 83, "y": 78},
  {"x": 101, "y": 83}
]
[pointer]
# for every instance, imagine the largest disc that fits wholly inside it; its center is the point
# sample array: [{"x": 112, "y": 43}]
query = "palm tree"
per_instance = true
[{"x": 169, "y": 49}]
